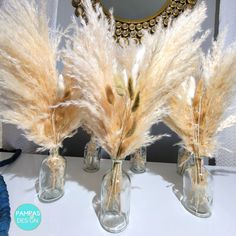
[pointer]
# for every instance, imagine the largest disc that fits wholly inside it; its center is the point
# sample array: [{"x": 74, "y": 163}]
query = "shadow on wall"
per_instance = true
[
  {"x": 13, "y": 138},
  {"x": 161, "y": 151},
  {"x": 165, "y": 149}
]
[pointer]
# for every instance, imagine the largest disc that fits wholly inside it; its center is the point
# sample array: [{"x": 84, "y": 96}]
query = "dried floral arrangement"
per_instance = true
[
  {"x": 197, "y": 110},
  {"x": 124, "y": 88},
  {"x": 197, "y": 113},
  {"x": 30, "y": 87}
]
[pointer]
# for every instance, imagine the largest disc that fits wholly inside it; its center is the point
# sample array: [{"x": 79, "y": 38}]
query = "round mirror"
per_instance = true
[
  {"x": 134, "y": 16},
  {"x": 134, "y": 10}
]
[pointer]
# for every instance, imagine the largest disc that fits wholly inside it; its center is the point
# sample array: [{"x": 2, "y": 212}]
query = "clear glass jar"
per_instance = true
[
  {"x": 52, "y": 177},
  {"x": 92, "y": 156},
  {"x": 185, "y": 159},
  {"x": 138, "y": 161},
  {"x": 115, "y": 199},
  {"x": 198, "y": 190}
]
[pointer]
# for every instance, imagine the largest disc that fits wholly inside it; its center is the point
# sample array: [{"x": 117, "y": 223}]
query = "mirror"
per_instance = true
[
  {"x": 134, "y": 16},
  {"x": 134, "y": 10}
]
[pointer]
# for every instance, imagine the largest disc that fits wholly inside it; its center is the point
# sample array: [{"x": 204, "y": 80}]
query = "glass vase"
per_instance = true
[
  {"x": 185, "y": 159},
  {"x": 198, "y": 190},
  {"x": 92, "y": 156},
  {"x": 138, "y": 161},
  {"x": 52, "y": 177},
  {"x": 115, "y": 199}
]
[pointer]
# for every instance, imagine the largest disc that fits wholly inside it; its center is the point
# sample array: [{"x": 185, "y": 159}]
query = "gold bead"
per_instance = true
[
  {"x": 132, "y": 26},
  {"x": 166, "y": 21},
  {"x": 176, "y": 12},
  {"x": 145, "y": 25},
  {"x": 76, "y": 3},
  {"x": 140, "y": 33},
  {"x": 153, "y": 29},
  {"x": 118, "y": 24},
  {"x": 180, "y": 6},
  {"x": 79, "y": 11},
  {"x": 125, "y": 26},
  {"x": 152, "y": 22},
  {"x": 118, "y": 32},
  {"x": 192, "y": 2},
  {"x": 139, "y": 26},
  {"x": 173, "y": 4},
  {"x": 133, "y": 34},
  {"x": 168, "y": 10},
  {"x": 125, "y": 33}
]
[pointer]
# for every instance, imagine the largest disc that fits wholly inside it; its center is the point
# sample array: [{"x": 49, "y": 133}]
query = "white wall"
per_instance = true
[
  {"x": 65, "y": 12},
  {"x": 209, "y": 23},
  {"x": 228, "y": 137},
  {"x": 228, "y": 19}
]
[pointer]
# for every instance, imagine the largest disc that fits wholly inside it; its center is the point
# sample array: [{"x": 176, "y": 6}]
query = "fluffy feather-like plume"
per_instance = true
[
  {"x": 198, "y": 116},
  {"x": 29, "y": 83},
  {"x": 124, "y": 89}
]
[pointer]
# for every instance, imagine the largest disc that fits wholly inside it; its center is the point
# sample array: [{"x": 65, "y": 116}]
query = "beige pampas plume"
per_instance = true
[
  {"x": 197, "y": 114},
  {"x": 124, "y": 88},
  {"x": 30, "y": 86}
]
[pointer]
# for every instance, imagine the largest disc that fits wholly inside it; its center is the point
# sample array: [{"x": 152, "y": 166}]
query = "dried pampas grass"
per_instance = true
[
  {"x": 124, "y": 89},
  {"x": 30, "y": 87},
  {"x": 197, "y": 110}
]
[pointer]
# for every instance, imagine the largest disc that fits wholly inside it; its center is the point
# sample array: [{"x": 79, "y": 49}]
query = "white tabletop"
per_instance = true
[{"x": 155, "y": 209}]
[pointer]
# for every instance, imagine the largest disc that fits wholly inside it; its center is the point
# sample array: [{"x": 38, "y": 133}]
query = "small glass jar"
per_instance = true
[
  {"x": 138, "y": 161},
  {"x": 185, "y": 159},
  {"x": 92, "y": 156},
  {"x": 52, "y": 177},
  {"x": 198, "y": 190},
  {"x": 115, "y": 199}
]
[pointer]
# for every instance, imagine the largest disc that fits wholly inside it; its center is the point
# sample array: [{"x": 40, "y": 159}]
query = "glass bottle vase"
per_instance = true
[
  {"x": 52, "y": 177},
  {"x": 184, "y": 160},
  {"x": 138, "y": 161},
  {"x": 115, "y": 199},
  {"x": 92, "y": 156},
  {"x": 198, "y": 189}
]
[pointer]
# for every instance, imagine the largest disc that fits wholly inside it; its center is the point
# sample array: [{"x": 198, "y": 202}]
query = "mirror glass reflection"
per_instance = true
[{"x": 134, "y": 10}]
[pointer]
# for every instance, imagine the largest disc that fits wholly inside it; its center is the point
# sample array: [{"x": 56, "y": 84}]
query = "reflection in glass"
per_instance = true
[
  {"x": 92, "y": 155},
  {"x": 138, "y": 160},
  {"x": 134, "y": 9}
]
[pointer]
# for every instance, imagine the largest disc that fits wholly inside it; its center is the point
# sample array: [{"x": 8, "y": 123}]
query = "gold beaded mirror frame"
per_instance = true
[{"x": 131, "y": 23}]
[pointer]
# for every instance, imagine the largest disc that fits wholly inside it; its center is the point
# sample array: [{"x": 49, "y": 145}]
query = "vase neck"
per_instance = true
[
  {"x": 199, "y": 167},
  {"x": 116, "y": 163},
  {"x": 54, "y": 152},
  {"x": 93, "y": 139},
  {"x": 199, "y": 161}
]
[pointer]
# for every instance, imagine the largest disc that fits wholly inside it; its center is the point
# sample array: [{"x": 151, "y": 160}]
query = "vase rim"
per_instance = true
[{"x": 117, "y": 161}]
